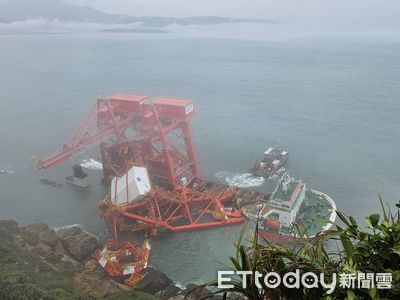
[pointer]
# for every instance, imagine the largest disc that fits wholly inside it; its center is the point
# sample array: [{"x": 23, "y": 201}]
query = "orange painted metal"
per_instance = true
[
  {"x": 124, "y": 260},
  {"x": 134, "y": 130}
]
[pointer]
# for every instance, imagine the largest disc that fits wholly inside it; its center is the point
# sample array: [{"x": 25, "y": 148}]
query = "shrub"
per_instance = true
[{"x": 375, "y": 249}]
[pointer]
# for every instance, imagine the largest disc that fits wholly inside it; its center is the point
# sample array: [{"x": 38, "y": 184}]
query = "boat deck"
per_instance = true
[
  {"x": 316, "y": 212},
  {"x": 285, "y": 196}
]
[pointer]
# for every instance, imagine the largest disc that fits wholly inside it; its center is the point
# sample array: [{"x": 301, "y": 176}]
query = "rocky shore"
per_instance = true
[{"x": 37, "y": 262}]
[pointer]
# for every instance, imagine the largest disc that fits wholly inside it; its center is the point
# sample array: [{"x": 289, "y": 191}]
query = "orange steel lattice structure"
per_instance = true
[{"x": 134, "y": 130}]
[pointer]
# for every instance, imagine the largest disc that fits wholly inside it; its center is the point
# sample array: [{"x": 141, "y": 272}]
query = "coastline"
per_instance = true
[{"x": 43, "y": 263}]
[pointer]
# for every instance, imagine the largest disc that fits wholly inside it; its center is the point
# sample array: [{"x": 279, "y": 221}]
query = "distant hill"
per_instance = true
[{"x": 22, "y": 10}]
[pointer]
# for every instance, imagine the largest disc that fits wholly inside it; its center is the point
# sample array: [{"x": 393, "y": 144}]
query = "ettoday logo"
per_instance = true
[
  {"x": 272, "y": 280},
  {"x": 293, "y": 280}
]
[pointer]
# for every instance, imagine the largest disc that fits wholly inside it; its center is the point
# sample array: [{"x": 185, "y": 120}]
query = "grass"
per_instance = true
[{"x": 35, "y": 275}]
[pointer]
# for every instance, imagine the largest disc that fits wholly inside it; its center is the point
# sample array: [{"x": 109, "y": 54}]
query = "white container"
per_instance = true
[
  {"x": 269, "y": 150},
  {"x": 130, "y": 187}
]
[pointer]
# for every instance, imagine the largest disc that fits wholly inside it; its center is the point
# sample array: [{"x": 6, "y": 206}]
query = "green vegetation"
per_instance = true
[
  {"x": 29, "y": 272},
  {"x": 371, "y": 249},
  {"x": 23, "y": 275}
]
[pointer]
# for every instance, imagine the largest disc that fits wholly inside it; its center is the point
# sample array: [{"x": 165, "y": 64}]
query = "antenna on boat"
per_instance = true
[{"x": 285, "y": 182}]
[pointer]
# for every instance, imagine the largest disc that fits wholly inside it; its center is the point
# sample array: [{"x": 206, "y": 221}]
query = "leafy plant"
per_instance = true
[{"x": 375, "y": 249}]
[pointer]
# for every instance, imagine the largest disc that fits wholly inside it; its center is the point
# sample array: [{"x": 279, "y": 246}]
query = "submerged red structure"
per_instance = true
[{"x": 136, "y": 131}]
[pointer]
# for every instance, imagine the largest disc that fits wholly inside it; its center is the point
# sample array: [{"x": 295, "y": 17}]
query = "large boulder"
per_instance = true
[
  {"x": 36, "y": 228},
  {"x": 34, "y": 270},
  {"x": 30, "y": 233},
  {"x": 78, "y": 243},
  {"x": 49, "y": 237},
  {"x": 154, "y": 282}
]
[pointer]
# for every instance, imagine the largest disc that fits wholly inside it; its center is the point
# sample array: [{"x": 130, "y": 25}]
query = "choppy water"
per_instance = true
[{"x": 335, "y": 105}]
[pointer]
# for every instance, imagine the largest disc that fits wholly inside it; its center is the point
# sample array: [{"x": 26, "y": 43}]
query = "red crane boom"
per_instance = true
[{"x": 154, "y": 134}]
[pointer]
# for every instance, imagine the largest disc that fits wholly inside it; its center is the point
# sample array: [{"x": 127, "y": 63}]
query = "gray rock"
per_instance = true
[
  {"x": 169, "y": 292},
  {"x": 46, "y": 248},
  {"x": 30, "y": 233},
  {"x": 36, "y": 228},
  {"x": 80, "y": 244},
  {"x": 193, "y": 291},
  {"x": 49, "y": 237},
  {"x": 154, "y": 282}
]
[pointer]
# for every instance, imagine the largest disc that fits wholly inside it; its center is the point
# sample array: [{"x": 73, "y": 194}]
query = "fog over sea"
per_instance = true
[{"x": 333, "y": 103}]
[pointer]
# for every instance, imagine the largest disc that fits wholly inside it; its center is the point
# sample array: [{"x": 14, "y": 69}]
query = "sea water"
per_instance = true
[{"x": 333, "y": 104}]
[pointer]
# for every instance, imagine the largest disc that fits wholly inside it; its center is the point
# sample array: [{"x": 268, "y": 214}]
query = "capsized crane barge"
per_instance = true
[{"x": 149, "y": 162}]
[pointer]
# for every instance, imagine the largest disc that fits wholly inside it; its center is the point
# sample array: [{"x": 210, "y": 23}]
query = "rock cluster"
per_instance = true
[{"x": 41, "y": 263}]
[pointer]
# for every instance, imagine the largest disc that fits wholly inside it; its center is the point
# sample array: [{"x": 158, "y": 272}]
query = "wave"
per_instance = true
[
  {"x": 7, "y": 170},
  {"x": 67, "y": 227},
  {"x": 91, "y": 164},
  {"x": 242, "y": 180},
  {"x": 183, "y": 285},
  {"x": 82, "y": 227}
]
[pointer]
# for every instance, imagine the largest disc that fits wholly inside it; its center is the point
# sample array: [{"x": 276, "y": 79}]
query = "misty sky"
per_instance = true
[
  {"x": 296, "y": 17},
  {"x": 274, "y": 9}
]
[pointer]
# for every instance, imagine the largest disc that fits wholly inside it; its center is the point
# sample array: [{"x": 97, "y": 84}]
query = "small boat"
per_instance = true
[
  {"x": 80, "y": 178},
  {"x": 271, "y": 162}
]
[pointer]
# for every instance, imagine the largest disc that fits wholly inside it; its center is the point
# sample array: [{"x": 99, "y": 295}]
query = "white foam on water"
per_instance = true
[
  {"x": 72, "y": 226},
  {"x": 180, "y": 285},
  {"x": 91, "y": 164},
  {"x": 242, "y": 180},
  {"x": 7, "y": 170},
  {"x": 68, "y": 226}
]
